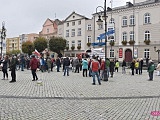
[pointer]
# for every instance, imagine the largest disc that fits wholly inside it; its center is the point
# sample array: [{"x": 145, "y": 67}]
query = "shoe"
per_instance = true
[
  {"x": 67, "y": 75},
  {"x": 99, "y": 83},
  {"x": 12, "y": 81},
  {"x": 93, "y": 84},
  {"x": 3, "y": 79},
  {"x": 36, "y": 78},
  {"x": 33, "y": 80}
]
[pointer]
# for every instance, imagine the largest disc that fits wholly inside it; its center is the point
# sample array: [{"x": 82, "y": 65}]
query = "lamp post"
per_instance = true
[
  {"x": 99, "y": 22},
  {"x": 157, "y": 51},
  {"x": 3, "y": 35}
]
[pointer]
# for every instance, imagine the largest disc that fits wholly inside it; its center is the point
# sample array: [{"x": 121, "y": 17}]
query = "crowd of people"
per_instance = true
[{"x": 94, "y": 67}]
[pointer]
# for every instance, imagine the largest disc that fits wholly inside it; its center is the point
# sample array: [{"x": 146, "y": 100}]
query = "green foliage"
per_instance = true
[
  {"x": 72, "y": 47},
  {"x": 57, "y": 44},
  {"x": 88, "y": 44},
  {"x": 67, "y": 48},
  {"x": 40, "y": 44},
  {"x": 78, "y": 47},
  {"x": 112, "y": 43},
  {"x": 147, "y": 42},
  {"x": 27, "y": 47}
]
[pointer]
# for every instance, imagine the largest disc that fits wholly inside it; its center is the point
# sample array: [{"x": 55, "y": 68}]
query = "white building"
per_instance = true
[
  {"x": 78, "y": 31},
  {"x": 137, "y": 22}
]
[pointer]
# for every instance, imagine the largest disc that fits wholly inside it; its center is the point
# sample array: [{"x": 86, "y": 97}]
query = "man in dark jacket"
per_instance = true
[
  {"x": 66, "y": 63},
  {"x": 151, "y": 68},
  {"x": 13, "y": 64},
  {"x": 34, "y": 64},
  {"x": 58, "y": 63}
]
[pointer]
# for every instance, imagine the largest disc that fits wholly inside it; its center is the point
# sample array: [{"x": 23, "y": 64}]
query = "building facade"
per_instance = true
[
  {"x": 78, "y": 31},
  {"x": 13, "y": 44},
  {"x": 139, "y": 22}
]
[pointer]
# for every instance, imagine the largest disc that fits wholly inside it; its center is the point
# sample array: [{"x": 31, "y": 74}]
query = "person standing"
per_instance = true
[
  {"x": 132, "y": 66},
  {"x": 102, "y": 69},
  {"x": 95, "y": 66},
  {"x": 117, "y": 65},
  {"x": 58, "y": 63},
  {"x": 124, "y": 67},
  {"x": 13, "y": 64},
  {"x": 5, "y": 67},
  {"x": 140, "y": 66},
  {"x": 151, "y": 68},
  {"x": 49, "y": 62},
  {"x": 85, "y": 67},
  {"x": 34, "y": 64},
  {"x": 158, "y": 69},
  {"x": 137, "y": 66},
  {"x": 66, "y": 63},
  {"x": 111, "y": 66},
  {"x": 77, "y": 65}
]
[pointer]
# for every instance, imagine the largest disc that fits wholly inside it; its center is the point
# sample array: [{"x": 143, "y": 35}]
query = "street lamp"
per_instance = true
[
  {"x": 99, "y": 22},
  {"x": 3, "y": 35},
  {"x": 157, "y": 51}
]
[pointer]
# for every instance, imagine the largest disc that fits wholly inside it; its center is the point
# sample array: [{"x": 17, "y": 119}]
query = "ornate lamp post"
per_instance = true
[
  {"x": 100, "y": 22},
  {"x": 157, "y": 51},
  {"x": 3, "y": 35}
]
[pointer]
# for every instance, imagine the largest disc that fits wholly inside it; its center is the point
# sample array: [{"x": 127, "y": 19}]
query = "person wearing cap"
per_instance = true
[
  {"x": 34, "y": 64},
  {"x": 151, "y": 68}
]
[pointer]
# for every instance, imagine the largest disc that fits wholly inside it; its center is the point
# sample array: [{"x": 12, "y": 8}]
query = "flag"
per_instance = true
[{"x": 37, "y": 53}]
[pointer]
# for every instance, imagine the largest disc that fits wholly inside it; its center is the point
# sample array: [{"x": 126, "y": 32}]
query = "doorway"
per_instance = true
[{"x": 128, "y": 55}]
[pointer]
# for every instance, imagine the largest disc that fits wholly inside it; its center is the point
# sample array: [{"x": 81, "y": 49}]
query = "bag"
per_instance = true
[{"x": 1, "y": 65}]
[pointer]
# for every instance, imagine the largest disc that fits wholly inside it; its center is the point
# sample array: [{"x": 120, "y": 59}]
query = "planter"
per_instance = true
[
  {"x": 72, "y": 47},
  {"x": 67, "y": 48},
  {"x": 131, "y": 42},
  {"x": 124, "y": 42},
  {"x": 88, "y": 44},
  {"x": 112, "y": 43},
  {"x": 147, "y": 42},
  {"x": 78, "y": 47}
]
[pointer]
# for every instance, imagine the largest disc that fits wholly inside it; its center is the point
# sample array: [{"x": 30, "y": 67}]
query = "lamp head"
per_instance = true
[{"x": 99, "y": 21}]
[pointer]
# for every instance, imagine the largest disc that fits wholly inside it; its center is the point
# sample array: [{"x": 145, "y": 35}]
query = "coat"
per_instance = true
[
  {"x": 84, "y": 64},
  {"x": 34, "y": 64}
]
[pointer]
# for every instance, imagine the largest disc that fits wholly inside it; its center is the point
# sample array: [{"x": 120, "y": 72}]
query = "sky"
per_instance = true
[{"x": 28, "y": 16}]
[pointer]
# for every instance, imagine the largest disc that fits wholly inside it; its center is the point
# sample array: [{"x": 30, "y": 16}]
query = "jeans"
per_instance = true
[
  {"x": 108, "y": 71},
  {"x": 124, "y": 70},
  {"x": 66, "y": 69},
  {"x": 96, "y": 73},
  {"x": 151, "y": 75}
]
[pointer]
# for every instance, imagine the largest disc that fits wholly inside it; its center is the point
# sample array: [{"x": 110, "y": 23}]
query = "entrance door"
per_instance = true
[{"x": 128, "y": 55}]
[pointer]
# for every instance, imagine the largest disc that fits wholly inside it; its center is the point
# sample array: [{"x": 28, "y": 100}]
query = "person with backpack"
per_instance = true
[{"x": 151, "y": 68}]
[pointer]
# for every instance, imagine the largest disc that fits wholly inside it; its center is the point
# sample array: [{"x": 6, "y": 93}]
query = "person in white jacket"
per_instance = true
[{"x": 158, "y": 69}]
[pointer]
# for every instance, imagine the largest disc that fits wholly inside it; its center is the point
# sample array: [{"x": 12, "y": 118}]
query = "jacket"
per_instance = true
[
  {"x": 95, "y": 66},
  {"x": 84, "y": 64},
  {"x": 34, "y": 64}
]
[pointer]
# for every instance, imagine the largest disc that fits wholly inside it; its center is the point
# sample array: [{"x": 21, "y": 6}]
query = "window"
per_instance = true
[
  {"x": 47, "y": 30},
  {"x": 131, "y": 35},
  {"x": 67, "y": 24},
  {"x": 124, "y": 21},
  {"x": 73, "y": 23},
  {"x": 147, "y": 35},
  {"x": 79, "y": 22},
  {"x": 73, "y": 43},
  {"x": 111, "y": 20},
  {"x": 147, "y": 18},
  {"x": 89, "y": 27},
  {"x": 124, "y": 36},
  {"x": 89, "y": 39},
  {"x": 79, "y": 42},
  {"x": 111, "y": 53},
  {"x": 73, "y": 32},
  {"x": 146, "y": 53},
  {"x": 132, "y": 20},
  {"x": 67, "y": 44},
  {"x": 67, "y": 33},
  {"x": 100, "y": 27},
  {"x": 79, "y": 31}
]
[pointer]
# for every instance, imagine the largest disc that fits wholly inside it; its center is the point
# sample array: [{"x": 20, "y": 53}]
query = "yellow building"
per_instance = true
[{"x": 12, "y": 44}]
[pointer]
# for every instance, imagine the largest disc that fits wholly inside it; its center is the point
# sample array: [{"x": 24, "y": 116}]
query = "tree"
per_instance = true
[
  {"x": 27, "y": 47},
  {"x": 57, "y": 44},
  {"x": 40, "y": 44},
  {"x": 13, "y": 52}
]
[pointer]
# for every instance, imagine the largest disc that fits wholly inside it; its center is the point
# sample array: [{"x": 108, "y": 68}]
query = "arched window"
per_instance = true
[
  {"x": 147, "y": 18},
  {"x": 132, "y": 35},
  {"x": 124, "y": 21},
  {"x": 111, "y": 20},
  {"x": 124, "y": 36},
  {"x": 132, "y": 20},
  {"x": 147, "y": 35}
]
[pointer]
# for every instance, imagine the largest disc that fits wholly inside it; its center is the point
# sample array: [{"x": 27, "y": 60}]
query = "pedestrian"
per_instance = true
[
  {"x": 124, "y": 67},
  {"x": 34, "y": 64},
  {"x": 107, "y": 66},
  {"x": 4, "y": 65},
  {"x": 76, "y": 62},
  {"x": 111, "y": 67},
  {"x": 102, "y": 68},
  {"x": 66, "y": 64},
  {"x": 58, "y": 64},
  {"x": 117, "y": 65},
  {"x": 158, "y": 69},
  {"x": 132, "y": 66},
  {"x": 95, "y": 66},
  {"x": 13, "y": 64},
  {"x": 140, "y": 66},
  {"x": 85, "y": 67},
  {"x": 137, "y": 66},
  {"x": 42, "y": 64},
  {"x": 52, "y": 63},
  {"x": 151, "y": 68},
  {"x": 49, "y": 62},
  {"x": 89, "y": 69}
]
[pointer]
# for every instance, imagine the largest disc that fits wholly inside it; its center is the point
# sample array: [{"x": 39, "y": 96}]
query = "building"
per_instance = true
[
  {"x": 139, "y": 22},
  {"x": 78, "y": 31},
  {"x": 13, "y": 44}
]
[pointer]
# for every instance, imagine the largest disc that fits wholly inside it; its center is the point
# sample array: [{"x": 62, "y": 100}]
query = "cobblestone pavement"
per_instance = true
[{"x": 123, "y": 97}]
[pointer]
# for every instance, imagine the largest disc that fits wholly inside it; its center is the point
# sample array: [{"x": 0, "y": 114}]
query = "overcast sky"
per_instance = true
[{"x": 28, "y": 16}]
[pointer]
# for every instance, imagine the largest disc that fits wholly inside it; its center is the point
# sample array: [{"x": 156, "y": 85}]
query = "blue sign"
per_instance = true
[
  {"x": 102, "y": 36},
  {"x": 98, "y": 43}
]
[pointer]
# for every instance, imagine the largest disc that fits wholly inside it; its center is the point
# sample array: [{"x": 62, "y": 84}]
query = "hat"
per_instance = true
[{"x": 150, "y": 61}]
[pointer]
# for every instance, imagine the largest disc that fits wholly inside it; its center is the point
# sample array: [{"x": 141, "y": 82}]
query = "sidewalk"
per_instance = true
[{"x": 123, "y": 97}]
